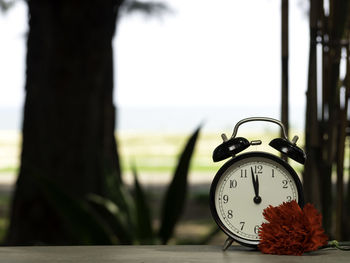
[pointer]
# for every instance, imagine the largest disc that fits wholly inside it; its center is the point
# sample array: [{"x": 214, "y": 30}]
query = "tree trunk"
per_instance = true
[{"x": 69, "y": 116}]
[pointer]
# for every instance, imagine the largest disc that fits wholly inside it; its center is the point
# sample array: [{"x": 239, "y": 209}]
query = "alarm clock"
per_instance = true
[{"x": 249, "y": 182}]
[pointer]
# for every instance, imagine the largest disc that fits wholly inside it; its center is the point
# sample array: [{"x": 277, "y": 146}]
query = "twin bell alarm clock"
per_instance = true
[{"x": 249, "y": 182}]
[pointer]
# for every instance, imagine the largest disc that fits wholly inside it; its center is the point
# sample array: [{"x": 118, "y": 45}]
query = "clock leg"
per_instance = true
[{"x": 227, "y": 243}]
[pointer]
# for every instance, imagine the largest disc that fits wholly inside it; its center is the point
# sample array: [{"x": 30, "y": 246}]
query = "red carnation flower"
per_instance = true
[{"x": 291, "y": 230}]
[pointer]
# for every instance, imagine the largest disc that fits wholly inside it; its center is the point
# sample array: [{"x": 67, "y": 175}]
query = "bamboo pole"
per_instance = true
[
  {"x": 325, "y": 129},
  {"x": 312, "y": 144},
  {"x": 340, "y": 167},
  {"x": 325, "y": 134},
  {"x": 336, "y": 127},
  {"x": 347, "y": 83},
  {"x": 285, "y": 70}
]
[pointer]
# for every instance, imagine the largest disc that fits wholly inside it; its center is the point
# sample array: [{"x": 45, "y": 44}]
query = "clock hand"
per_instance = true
[
  {"x": 254, "y": 182},
  {"x": 257, "y": 198},
  {"x": 257, "y": 185}
]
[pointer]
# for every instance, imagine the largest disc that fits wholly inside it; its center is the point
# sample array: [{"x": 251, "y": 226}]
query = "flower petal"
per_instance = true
[{"x": 291, "y": 230}]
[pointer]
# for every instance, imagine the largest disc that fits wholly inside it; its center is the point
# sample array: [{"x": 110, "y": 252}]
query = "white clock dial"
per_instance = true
[{"x": 246, "y": 188}]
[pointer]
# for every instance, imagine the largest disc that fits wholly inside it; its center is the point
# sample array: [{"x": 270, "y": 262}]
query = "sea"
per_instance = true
[{"x": 176, "y": 119}]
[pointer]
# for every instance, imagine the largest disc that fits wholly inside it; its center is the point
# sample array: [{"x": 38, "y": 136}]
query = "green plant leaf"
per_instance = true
[
  {"x": 143, "y": 215},
  {"x": 85, "y": 225},
  {"x": 119, "y": 194},
  {"x": 116, "y": 219},
  {"x": 175, "y": 196}
]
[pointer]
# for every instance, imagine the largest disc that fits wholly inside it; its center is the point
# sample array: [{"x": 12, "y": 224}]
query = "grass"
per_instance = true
[
  {"x": 10, "y": 169},
  {"x": 157, "y": 153},
  {"x": 151, "y": 152},
  {"x": 155, "y": 156}
]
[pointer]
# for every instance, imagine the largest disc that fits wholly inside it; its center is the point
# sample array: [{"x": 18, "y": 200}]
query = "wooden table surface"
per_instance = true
[{"x": 155, "y": 254}]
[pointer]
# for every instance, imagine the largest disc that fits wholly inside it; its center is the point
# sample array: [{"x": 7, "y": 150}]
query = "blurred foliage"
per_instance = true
[
  {"x": 149, "y": 8},
  {"x": 4, "y": 201},
  {"x": 6, "y": 4},
  {"x": 123, "y": 216}
]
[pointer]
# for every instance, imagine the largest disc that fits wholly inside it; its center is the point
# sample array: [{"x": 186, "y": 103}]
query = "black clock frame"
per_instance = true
[{"x": 244, "y": 241}]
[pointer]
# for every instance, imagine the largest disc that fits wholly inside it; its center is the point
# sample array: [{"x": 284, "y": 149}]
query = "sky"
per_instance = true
[
  {"x": 223, "y": 53},
  {"x": 210, "y": 54}
]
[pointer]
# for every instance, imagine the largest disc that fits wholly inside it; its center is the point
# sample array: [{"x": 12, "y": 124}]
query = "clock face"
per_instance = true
[{"x": 245, "y": 186}]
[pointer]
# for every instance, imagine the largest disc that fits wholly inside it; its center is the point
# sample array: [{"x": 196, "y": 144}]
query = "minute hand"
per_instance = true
[
  {"x": 255, "y": 182},
  {"x": 257, "y": 198}
]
